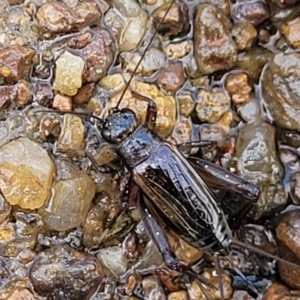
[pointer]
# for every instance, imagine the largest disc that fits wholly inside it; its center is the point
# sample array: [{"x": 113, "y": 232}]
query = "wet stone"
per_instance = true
[
  {"x": 184, "y": 251},
  {"x": 153, "y": 289},
  {"x": 176, "y": 22},
  {"x": 62, "y": 103},
  {"x": 5, "y": 209},
  {"x": 15, "y": 62},
  {"x": 69, "y": 204},
  {"x": 195, "y": 292},
  {"x": 290, "y": 30},
  {"x": 20, "y": 294},
  {"x": 84, "y": 94},
  {"x": 129, "y": 23},
  {"x": 180, "y": 295},
  {"x": 81, "y": 273},
  {"x": 214, "y": 49},
  {"x": 24, "y": 93},
  {"x": 26, "y": 173},
  {"x": 94, "y": 225},
  {"x": 288, "y": 231},
  {"x": 72, "y": 134},
  {"x": 237, "y": 85},
  {"x": 96, "y": 48},
  {"x": 51, "y": 14},
  {"x": 168, "y": 281},
  {"x": 178, "y": 50},
  {"x": 172, "y": 77},
  {"x": 113, "y": 260},
  {"x": 257, "y": 162},
  {"x": 280, "y": 91},
  {"x": 19, "y": 235},
  {"x": 43, "y": 94},
  {"x": 278, "y": 291},
  {"x": 212, "y": 104},
  {"x": 252, "y": 11},
  {"x": 244, "y": 34},
  {"x": 182, "y": 131},
  {"x": 7, "y": 95},
  {"x": 152, "y": 61},
  {"x": 250, "y": 111},
  {"x": 186, "y": 105},
  {"x": 68, "y": 74},
  {"x": 253, "y": 62}
]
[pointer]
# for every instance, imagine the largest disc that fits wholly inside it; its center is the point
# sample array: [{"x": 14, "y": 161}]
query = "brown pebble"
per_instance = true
[
  {"x": 172, "y": 77},
  {"x": 7, "y": 95},
  {"x": 43, "y": 94},
  {"x": 168, "y": 281},
  {"x": 62, "y": 103},
  {"x": 288, "y": 231},
  {"x": 15, "y": 62},
  {"x": 291, "y": 31},
  {"x": 277, "y": 291},
  {"x": 84, "y": 93},
  {"x": 20, "y": 294},
  {"x": 238, "y": 87},
  {"x": 24, "y": 93},
  {"x": 244, "y": 34}
]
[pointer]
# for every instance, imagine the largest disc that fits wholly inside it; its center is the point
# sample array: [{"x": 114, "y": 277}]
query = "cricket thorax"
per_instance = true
[{"x": 138, "y": 146}]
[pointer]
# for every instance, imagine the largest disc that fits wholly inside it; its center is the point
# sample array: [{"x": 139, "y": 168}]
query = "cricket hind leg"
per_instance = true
[{"x": 158, "y": 236}]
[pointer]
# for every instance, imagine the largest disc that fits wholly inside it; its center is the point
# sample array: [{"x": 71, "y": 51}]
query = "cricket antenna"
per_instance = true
[
  {"x": 253, "y": 249},
  {"x": 143, "y": 55}
]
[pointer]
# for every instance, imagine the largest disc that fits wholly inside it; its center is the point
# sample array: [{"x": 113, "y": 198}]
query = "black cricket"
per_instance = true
[{"x": 174, "y": 189}]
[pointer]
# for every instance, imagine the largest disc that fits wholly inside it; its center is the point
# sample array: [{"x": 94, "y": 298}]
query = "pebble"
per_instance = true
[
  {"x": 7, "y": 95},
  {"x": 153, "y": 289},
  {"x": 20, "y": 294},
  {"x": 212, "y": 104},
  {"x": 175, "y": 23},
  {"x": 20, "y": 234},
  {"x": 15, "y": 62},
  {"x": 69, "y": 203},
  {"x": 186, "y": 104},
  {"x": 129, "y": 22},
  {"x": 5, "y": 209},
  {"x": 255, "y": 11},
  {"x": 84, "y": 93},
  {"x": 26, "y": 168},
  {"x": 244, "y": 34},
  {"x": 97, "y": 51},
  {"x": 64, "y": 273},
  {"x": 43, "y": 94},
  {"x": 237, "y": 85},
  {"x": 195, "y": 292},
  {"x": 68, "y": 74},
  {"x": 178, "y": 50},
  {"x": 281, "y": 98},
  {"x": 290, "y": 29},
  {"x": 278, "y": 291},
  {"x": 171, "y": 78},
  {"x": 24, "y": 93},
  {"x": 72, "y": 134},
  {"x": 50, "y": 15},
  {"x": 62, "y": 103},
  {"x": 180, "y": 295},
  {"x": 214, "y": 49},
  {"x": 257, "y": 162},
  {"x": 113, "y": 259}
]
